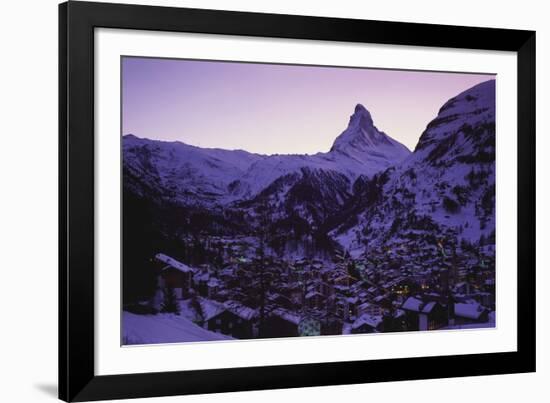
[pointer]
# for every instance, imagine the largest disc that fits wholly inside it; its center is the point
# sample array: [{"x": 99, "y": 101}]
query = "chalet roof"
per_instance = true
[
  {"x": 242, "y": 311},
  {"x": 366, "y": 319},
  {"x": 201, "y": 276},
  {"x": 211, "y": 308},
  {"x": 272, "y": 295},
  {"x": 379, "y": 298},
  {"x": 312, "y": 294},
  {"x": 286, "y": 315},
  {"x": 412, "y": 304},
  {"x": 399, "y": 313},
  {"x": 228, "y": 271},
  {"x": 429, "y": 306},
  {"x": 208, "y": 308},
  {"x": 173, "y": 263},
  {"x": 470, "y": 310},
  {"x": 214, "y": 282},
  {"x": 417, "y": 305},
  {"x": 364, "y": 305},
  {"x": 340, "y": 287}
]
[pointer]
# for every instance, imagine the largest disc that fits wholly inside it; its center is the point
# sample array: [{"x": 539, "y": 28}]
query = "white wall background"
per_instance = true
[{"x": 28, "y": 202}]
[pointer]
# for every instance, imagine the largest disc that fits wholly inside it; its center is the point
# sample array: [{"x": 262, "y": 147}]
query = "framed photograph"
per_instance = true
[{"x": 257, "y": 201}]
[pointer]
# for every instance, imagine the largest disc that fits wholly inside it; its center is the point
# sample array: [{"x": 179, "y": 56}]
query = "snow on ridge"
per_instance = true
[
  {"x": 229, "y": 175},
  {"x": 469, "y": 108},
  {"x": 470, "y": 99}
]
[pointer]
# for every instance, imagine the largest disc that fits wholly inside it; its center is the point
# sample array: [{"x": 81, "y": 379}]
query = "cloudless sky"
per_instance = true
[{"x": 273, "y": 108}]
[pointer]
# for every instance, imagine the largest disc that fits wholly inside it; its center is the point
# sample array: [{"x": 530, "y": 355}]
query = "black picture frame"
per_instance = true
[{"x": 77, "y": 379}]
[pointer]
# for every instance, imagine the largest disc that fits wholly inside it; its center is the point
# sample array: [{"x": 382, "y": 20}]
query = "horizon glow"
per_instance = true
[{"x": 275, "y": 108}]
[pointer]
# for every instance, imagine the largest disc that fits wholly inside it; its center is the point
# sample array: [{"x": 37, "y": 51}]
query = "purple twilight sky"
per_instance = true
[{"x": 270, "y": 108}]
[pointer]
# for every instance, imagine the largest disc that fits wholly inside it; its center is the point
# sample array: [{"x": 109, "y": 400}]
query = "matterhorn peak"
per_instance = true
[
  {"x": 359, "y": 108},
  {"x": 361, "y": 117},
  {"x": 362, "y": 141}
]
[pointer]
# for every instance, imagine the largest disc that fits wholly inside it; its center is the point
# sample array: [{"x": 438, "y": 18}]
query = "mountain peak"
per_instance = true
[
  {"x": 363, "y": 141},
  {"x": 471, "y": 108},
  {"x": 359, "y": 108},
  {"x": 361, "y": 117}
]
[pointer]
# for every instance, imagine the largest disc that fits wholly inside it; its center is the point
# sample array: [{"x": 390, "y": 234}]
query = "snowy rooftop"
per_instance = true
[
  {"x": 214, "y": 282},
  {"x": 201, "y": 276},
  {"x": 240, "y": 310},
  {"x": 210, "y": 308},
  {"x": 171, "y": 262},
  {"x": 366, "y": 319},
  {"x": 399, "y": 313},
  {"x": 469, "y": 310},
  {"x": 379, "y": 298},
  {"x": 412, "y": 304},
  {"x": 417, "y": 305},
  {"x": 364, "y": 305},
  {"x": 286, "y": 315},
  {"x": 428, "y": 307},
  {"x": 312, "y": 294}
]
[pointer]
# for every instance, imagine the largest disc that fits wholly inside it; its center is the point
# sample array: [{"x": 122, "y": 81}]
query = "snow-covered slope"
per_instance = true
[
  {"x": 445, "y": 188},
  {"x": 180, "y": 171},
  {"x": 163, "y": 328}
]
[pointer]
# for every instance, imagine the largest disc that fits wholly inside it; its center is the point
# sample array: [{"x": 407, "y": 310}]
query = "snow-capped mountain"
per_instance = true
[
  {"x": 367, "y": 190},
  {"x": 188, "y": 174},
  {"x": 445, "y": 189},
  {"x": 174, "y": 170},
  {"x": 364, "y": 143}
]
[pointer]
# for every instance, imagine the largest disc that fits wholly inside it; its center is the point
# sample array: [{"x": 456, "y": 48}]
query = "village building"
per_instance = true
[
  {"x": 281, "y": 323},
  {"x": 200, "y": 282},
  {"x": 331, "y": 325},
  {"x": 370, "y": 309},
  {"x": 397, "y": 296},
  {"x": 173, "y": 274},
  {"x": 230, "y": 318},
  {"x": 314, "y": 300},
  {"x": 281, "y": 300},
  {"x": 367, "y": 324},
  {"x": 214, "y": 288},
  {"x": 470, "y": 312},
  {"x": 421, "y": 315}
]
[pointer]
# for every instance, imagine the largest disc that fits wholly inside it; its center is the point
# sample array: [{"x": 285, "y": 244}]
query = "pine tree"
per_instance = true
[
  {"x": 196, "y": 305},
  {"x": 170, "y": 303}
]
